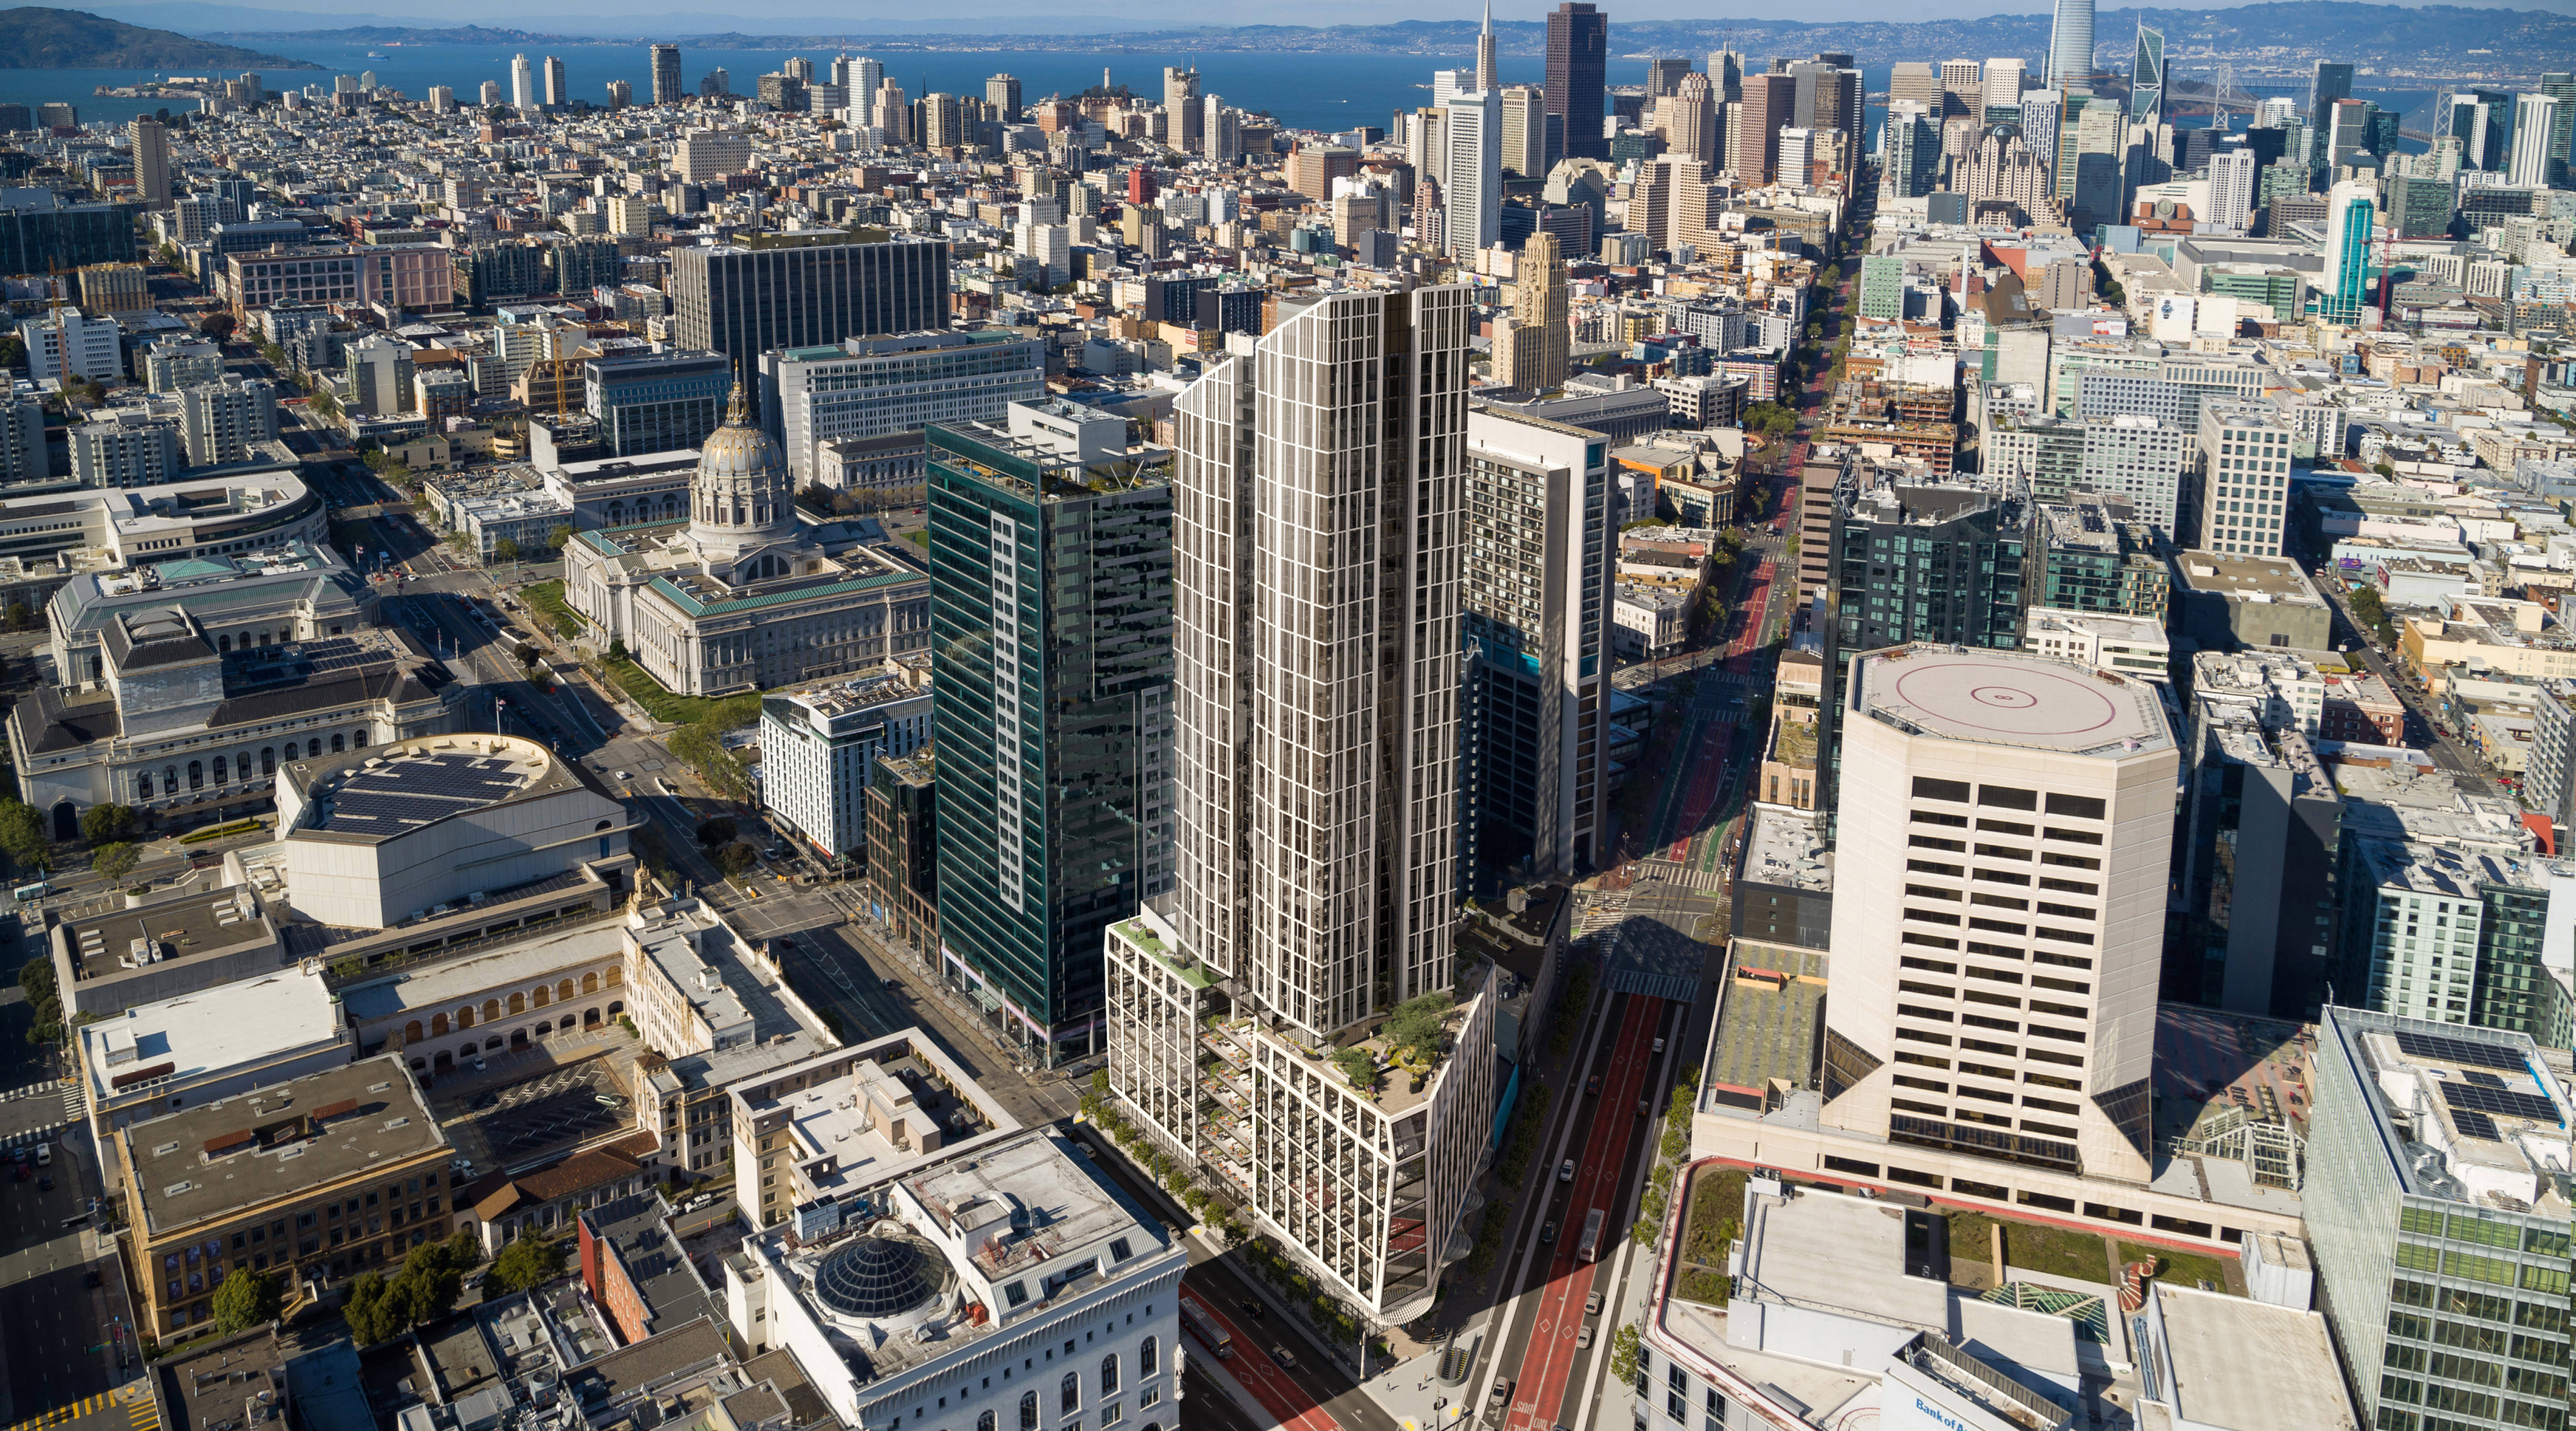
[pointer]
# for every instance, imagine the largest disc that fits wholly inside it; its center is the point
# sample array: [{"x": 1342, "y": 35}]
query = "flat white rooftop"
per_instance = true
[
  {"x": 234, "y": 1025},
  {"x": 2249, "y": 1366},
  {"x": 2004, "y": 698}
]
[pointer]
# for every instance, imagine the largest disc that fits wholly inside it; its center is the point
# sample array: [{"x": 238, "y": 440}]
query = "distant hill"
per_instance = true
[{"x": 75, "y": 40}]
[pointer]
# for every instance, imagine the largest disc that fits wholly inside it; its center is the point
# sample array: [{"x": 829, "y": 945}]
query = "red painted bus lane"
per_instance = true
[{"x": 1287, "y": 1402}]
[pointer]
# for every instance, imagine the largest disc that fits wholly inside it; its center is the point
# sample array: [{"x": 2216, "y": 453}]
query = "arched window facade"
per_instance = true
[
  {"x": 337, "y": 745},
  {"x": 1109, "y": 1373},
  {"x": 1146, "y": 1354},
  {"x": 1028, "y": 1411},
  {"x": 1068, "y": 1395},
  {"x": 219, "y": 770},
  {"x": 196, "y": 774}
]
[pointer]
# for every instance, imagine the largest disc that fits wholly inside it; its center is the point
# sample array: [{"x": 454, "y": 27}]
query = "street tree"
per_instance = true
[
  {"x": 115, "y": 861},
  {"x": 246, "y": 1300},
  {"x": 104, "y": 824}
]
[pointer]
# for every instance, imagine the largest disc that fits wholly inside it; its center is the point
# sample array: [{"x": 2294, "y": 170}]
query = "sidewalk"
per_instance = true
[{"x": 1415, "y": 1396}]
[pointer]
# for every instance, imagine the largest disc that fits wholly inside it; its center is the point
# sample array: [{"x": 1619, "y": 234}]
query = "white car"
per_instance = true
[{"x": 1565, "y": 1171}]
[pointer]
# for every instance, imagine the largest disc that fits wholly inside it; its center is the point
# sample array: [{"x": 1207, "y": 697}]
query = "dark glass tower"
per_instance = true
[
  {"x": 1578, "y": 55},
  {"x": 1051, "y": 632}
]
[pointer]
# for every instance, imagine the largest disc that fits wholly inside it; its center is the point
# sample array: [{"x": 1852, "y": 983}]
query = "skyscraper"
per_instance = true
[
  {"x": 1486, "y": 79},
  {"x": 523, "y": 83},
  {"x": 556, "y": 94},
  {"x": 1051, "y": 611},
  {"x": 150, "y": 140},
  {"x": 1578, "y": 54},
  {"x": 1315, "y": 687},
  {"x": 1532, "y": 355},
  {"x": 1913, "y": 155},
  {"x": 1181, "y": 108},
  {"x": 2070, "y": 47},
  {"x": 2332, "y": 81},
  {"x": 2003, "y": 89},
  {"x": 1664, "y": 74},
  {"x": 1918, "y": 81},
  {"x": 2535, "y": 127},
  {"x": 1754, "y": 133},
  {"x": 2231, "y": 186},
  {"x": 2056, "y": 768},
  {"x": 1524, "y": 151},
  {"x": 1963, "y": 89},
  {"x": 2351, "y": 208},
  {"x": 1691, "y": 127},
  {"x": 1726, "y": 75},
  {"x": 1473, "y": 176},
  {"x": 2560, "y": 85},
  {"x": 2147, "y": 77},
  {"x": 666, "y": 75}
]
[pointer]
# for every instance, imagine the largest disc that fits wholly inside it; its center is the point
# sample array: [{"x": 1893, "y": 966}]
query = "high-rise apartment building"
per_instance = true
[
  {"x": 1536, "y": 600},
  {"x": 523, "y": 83},
  {"x": 557, "y": 93},
  {"x": 2535, "y": 131},
  {"x": 2244, "y": 470},
  {"x": 150, "y": 141},
  {"x": 1317, "y": 676},
  {"x": 2070, "y": 47},
  {"x": 742, "y": 300},
  {"x": 1578, "y": 54},
  {"x": 2005, "y": 827},
  {"x": 1051, "y": 608},
  {"x": 2436, "y": 1218},
  {"x": 666, "y": 75},
  {"x": 1912, "y": 160},
  {"x": 2232, "y": 176},
  {"x": 1472, "y": 179}
]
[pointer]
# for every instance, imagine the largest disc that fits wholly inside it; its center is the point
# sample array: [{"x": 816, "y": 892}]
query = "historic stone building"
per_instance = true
[{"x": 747, "y": 592}]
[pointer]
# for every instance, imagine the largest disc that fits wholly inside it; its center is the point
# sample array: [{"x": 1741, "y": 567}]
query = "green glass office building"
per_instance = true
[
  {"x": 1051, "y": 630},
  {"x": 2436, "y": 1201}
]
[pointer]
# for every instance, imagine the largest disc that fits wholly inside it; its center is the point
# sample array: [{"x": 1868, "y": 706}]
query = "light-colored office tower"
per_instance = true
[
  {"x": 2042, "y": 111},
  {"x": 2004, "y": 170},
  {"x": 1220, "y": 131},
  {"x": 1426, "y": 143},
  {"x": 1918, "y": 81},
  {"x": 1448, "y": 84},
  {"x": 666, "y": 75},
  {"x": 865, "y": 75},
  {"x": 1487, "y": 77},
  {"x": 1963, "y": 89},
  {"x": 621, "y": 93},
  {"x": 2003, "y": 84},
  {"x": 2436, "y": 1217},
  {"x": 1726, "y": 75},
  {"x": 2535, "y": 130},
  {"x": 442, "y": 99},
  {"x": 68, "y": 343},
  {"x": 150, "y": 140},
  {"x": 1181, "y": 104},
  {"x": 819, "y": 746},
  {"x": 523, "y": 83},
  {"x": 1473, "y": 215},
  {"x": 1540, "y": 560},
  {"x": 488, "y": 96},
  {"x": 630, "y": 215},
  {"x": 1797, "y": 156},
  {"x": 891, "y": 115},
  {"x": 2232, "y": 175},
  {"x": 219, "y": 421},
  {"x": 2006, "y": 823},
  {"x": 2244, "y": 465},
  {"x": 704, "y": 154},
  {"x": 1532, "y": 354},
  {"x": 557, "y": 94},
  {"x": 22, "y": 436},
  {"x": 1691, "y": 120},
  {"x": 1524, "y": 109},
  {"x": 1316, "y": 551},
  {"x": 2070, "y": 47}
]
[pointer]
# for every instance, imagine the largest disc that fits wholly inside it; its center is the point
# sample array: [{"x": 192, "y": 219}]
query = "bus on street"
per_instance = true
[
  {"x": 1202, "y": 1326},
  {"x": 1590, "y": 1249}
]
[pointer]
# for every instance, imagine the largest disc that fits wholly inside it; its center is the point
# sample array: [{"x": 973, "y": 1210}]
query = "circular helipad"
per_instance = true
[{"x": 2013, "y": 699}]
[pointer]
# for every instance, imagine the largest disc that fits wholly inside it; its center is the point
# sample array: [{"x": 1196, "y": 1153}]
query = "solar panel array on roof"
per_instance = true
[
  {"x": 2474, "y": 1124},
  {"x": 2506, "y": 1102},
  {"x": 2481, "y": 1078},
  {"x": 404, "y": 794},
  {"x": 2464, "y": 1052}
]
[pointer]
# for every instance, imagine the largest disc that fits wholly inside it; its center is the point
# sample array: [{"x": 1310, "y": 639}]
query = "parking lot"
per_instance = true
[{"x": 558, "y": 1108}]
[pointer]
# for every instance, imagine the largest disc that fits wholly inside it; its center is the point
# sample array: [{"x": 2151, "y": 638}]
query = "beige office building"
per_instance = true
[{"x": 2005, "y": 827}]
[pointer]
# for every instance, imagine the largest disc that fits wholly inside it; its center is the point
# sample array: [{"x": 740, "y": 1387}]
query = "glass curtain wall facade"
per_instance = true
[{"x": 1051, "y": 613}]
